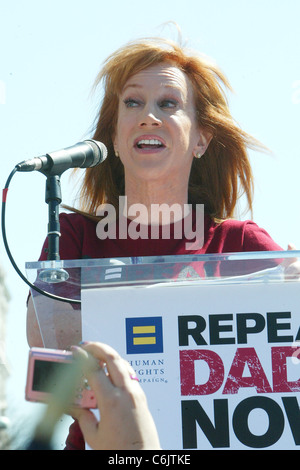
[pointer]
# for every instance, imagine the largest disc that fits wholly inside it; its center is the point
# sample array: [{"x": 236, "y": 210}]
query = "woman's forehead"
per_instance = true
[{"x": 164, "y": 74}]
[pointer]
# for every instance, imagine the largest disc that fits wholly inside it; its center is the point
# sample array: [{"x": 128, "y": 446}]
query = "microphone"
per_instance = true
[{"x": 84, "y": 154}]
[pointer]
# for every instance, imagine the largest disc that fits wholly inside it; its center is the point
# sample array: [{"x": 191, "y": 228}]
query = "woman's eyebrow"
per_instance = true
[
  {"x": 166, "y": 86},
  {"x": 131, "y": 85}
]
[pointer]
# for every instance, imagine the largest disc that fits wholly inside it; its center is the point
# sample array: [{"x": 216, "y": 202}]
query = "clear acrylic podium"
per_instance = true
[
  {"x": 213, "y": 339},
  {"x": 57, "y": 332}
]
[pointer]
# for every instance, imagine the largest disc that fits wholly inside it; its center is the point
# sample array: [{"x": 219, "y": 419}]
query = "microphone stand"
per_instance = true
[{"x": 53, "y": 198}]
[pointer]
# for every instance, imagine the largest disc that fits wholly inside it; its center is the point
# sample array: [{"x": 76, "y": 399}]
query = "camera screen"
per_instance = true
[{"x": 46, "y": 374}]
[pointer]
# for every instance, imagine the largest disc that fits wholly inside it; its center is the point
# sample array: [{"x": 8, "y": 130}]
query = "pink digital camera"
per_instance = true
[{"x": 45, "y": 367}]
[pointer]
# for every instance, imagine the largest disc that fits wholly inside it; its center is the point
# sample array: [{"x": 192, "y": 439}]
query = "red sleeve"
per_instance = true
[
  {"x": 252, "y": 239},
  {"x": 233, "y": 236},
  {"x": 257, "y": 239}
]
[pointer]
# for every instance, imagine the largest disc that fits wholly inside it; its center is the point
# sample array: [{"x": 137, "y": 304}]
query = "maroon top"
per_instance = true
[{"x": 79, "y": 240}]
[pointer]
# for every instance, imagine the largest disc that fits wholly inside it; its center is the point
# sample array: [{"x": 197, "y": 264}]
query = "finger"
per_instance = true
[
  {"x": 118, "y": 369},
  {"x": 88, "y": 363},
  {"x": 104, "y": 381},
  {"x": 291, "y": 265},
  {"x": 94, "y": 371},
  {"x": 88, "y": 424},
  {"x": 288, "y": 261}
]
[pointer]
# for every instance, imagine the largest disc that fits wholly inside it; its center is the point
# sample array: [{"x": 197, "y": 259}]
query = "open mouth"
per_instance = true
[{"x": 149, "y": 144}]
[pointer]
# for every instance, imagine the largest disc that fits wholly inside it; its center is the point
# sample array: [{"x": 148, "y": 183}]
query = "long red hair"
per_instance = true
[{"x": 218, "y": 179}]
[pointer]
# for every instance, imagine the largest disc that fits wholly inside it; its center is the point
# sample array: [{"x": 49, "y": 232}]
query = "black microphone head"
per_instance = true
[
  {"x": 88, "y": 153},
  {"x": 99, "y": 151}
]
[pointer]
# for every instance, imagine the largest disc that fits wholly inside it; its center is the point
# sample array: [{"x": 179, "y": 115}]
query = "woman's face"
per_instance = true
[{"x": 157, "y": 133}]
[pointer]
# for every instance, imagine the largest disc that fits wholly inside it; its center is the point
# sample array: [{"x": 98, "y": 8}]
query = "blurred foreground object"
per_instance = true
[{"x": 4, "y": 371}]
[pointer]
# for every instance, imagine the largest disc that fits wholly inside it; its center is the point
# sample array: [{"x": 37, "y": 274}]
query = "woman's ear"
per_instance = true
[{"x": 205, "y": 137}]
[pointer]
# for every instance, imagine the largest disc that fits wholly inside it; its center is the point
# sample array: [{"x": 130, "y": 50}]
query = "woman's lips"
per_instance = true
[{"x": 148, "y": 144}]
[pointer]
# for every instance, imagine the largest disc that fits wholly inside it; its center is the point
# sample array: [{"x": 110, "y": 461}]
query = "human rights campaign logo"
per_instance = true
[{"x": 144, "y": 335}]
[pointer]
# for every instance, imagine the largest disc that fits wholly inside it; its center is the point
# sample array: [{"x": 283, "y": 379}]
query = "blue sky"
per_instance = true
[{"x": 50, "y": 54}]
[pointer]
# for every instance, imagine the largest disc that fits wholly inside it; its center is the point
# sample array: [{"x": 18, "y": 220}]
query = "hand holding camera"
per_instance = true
[{"x": 126, "y": 422}]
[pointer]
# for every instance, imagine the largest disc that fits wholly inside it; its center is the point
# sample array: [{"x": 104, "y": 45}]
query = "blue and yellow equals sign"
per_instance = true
[{"x": 144, "y": 335}]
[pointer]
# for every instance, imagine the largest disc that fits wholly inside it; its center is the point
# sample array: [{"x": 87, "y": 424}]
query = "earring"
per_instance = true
[
  {"x": 117, "y": 153},
  {"x": 198, "y": 155}
]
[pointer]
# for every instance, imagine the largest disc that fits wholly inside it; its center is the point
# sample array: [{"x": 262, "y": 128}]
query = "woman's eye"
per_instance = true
[
  {"x": 168, "y": 103},
  {"x": 131, "y": 103},
  {"x": 165, "y": 103}
]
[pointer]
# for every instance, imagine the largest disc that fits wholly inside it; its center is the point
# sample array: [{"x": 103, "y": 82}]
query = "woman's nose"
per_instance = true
[{"x": 149, "y": 117}]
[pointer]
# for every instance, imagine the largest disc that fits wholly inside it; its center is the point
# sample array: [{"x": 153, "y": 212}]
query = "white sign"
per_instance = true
[{"x": 219, "y": 363}]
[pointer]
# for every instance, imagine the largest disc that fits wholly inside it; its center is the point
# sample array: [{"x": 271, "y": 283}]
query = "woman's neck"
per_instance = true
[{"x": 155, "y": 203}]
